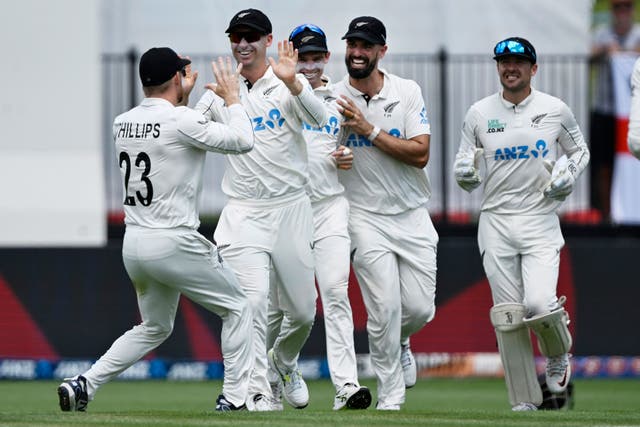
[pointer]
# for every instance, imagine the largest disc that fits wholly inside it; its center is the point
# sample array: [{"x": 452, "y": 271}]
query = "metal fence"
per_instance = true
[{"x": 450, "y": 84}]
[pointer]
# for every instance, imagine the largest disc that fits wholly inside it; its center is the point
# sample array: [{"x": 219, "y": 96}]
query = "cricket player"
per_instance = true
[
  {"x": 533, "y": 151},
  {"x": 161, "y": 147},
  {"x": 633, "y": 137},
  {"x": 393, "y": 241},
  {"x": 330, "y": 226},
  {"x": 267, "y": 223}
]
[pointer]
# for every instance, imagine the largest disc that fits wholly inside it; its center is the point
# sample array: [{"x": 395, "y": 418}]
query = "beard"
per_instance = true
[{"x": 358, "y": 73}]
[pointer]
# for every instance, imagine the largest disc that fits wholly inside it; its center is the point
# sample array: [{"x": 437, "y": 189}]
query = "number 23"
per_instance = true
[{"x": 141, "y": 158}]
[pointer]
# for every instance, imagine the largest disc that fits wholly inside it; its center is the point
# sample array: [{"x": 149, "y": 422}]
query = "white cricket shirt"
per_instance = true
[
  {"x": 516, "y": 140},
  {"x": 321, "y": 143},
  {"x": 161, "y": 152},
  {"x": 378, "y": 182},
  {"x": 277, "y": 165}
]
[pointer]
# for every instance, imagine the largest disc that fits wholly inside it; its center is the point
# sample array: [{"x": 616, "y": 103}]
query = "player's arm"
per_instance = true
[
  {"x": 412, "y": 151},
  {"x": 568, "y": 167},
  {"x": 306, "y": 105},
  {"x": 236, "y": 137},
  {"x": 467, "y": 162},
  {"x": 572, "y": 142},
  {"x": 633, "y": 137}
]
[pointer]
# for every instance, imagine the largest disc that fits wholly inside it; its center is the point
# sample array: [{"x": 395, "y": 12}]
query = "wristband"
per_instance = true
[{"x": 374, "y": 133}]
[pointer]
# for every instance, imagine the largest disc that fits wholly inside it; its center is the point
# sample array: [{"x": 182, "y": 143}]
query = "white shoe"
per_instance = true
[
  {"x": 408, "y": 366},
  {"x": 351, "y": 396},
  {"x": 259, "y": 403},
  {"x": 387, "y": 407},
  {"x": 524, "y": 406},
  {"x": 295, "y": 389},
  {"x": 276, "y": 390},
  {"x": 558, "y": 373}
]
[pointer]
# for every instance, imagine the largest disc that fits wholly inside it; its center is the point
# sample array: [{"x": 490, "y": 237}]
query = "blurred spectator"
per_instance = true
[{"x": 621, "y": 34}]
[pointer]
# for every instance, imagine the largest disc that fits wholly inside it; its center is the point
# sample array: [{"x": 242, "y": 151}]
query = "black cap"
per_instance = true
[
  {"x": 308, "y": 38},
  {"x": 252, "y": 18},
  {"x": 367, "y": 28},
  {"x": 515, "y": 46},
  {"x": 159, "y": 64}
]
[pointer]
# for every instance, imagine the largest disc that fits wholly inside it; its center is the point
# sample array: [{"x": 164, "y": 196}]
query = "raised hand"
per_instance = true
[
  {"x": 285, "y": 68},
  {"x": 227, "y": 83}
]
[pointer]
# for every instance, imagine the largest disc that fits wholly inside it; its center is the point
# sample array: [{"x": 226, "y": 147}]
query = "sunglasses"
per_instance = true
[
  {"x": 512, "y": 46},
  {"x": 249, "y": 36},
  {"x": 183, "y": 72},
  {"x": 300, "y": 28}
]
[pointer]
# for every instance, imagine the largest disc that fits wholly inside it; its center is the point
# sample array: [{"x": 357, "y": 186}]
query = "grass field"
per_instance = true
[{"x": 437, "y": 402}]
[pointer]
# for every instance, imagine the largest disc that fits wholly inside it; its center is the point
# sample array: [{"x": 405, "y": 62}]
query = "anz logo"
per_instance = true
[
  {"x": 332, "y": 127},
  {"x": 355, "y": 140},
  {"x": 274, "y": 120},
  {"x": 518, "y": 152}
]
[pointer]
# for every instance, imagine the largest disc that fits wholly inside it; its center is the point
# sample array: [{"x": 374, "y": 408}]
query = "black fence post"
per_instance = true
[
  {"x": 443, "y": 59},
  {"x": 132, "y": 58}
]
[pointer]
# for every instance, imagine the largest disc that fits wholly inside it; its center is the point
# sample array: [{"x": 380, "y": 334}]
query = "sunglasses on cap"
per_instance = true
[
  {"x": 249, "y": 36},
  {"x": 513, "y": 46},
  {"x": 300, "y": 28}
]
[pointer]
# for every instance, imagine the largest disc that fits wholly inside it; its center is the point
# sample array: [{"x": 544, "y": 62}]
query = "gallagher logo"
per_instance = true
[{"x": 518, "y": 152}]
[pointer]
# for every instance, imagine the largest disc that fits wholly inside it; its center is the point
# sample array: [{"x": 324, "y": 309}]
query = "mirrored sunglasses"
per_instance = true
[
  {"x": 512, "y": 46},
  {"x": 300, "y": 28},
  {"x": 249, "y": 36}
]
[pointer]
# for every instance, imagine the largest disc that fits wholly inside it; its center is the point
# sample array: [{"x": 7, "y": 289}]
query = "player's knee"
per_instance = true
[
  {"x": 157, "y": 332},
  {"x": 419, "y": 312},
  {"x": 304, "y": 315}
]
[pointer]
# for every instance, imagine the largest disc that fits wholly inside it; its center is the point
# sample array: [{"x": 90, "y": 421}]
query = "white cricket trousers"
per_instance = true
[
  {"x": 254, "y": 237},
  {"x": 394, "y": 258},
  {"x": 521, "y": 258},
  {"x": 163, "y": 264},
  {"x": 332, "y": 266}
]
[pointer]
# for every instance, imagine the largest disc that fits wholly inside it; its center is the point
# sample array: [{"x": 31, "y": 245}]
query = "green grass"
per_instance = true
[{"x": 437, "y": 402}]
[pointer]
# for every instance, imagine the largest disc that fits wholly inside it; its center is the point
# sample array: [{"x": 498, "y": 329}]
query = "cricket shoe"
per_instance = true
[
  {"x": 223, "y": 405},
  {"x": 72, "y": 394},
  {"x": 524, "y": 406},
  {"x": 408, "y": 363},
  {"x": 259, "y": 403},
  {"x": 276, "y": 390},
  {"x": 558, "y": 373},
  {"x": 387, "y": 406},
  {"x": 295, "y": 390},
  {"x": 351, "y": 396}
]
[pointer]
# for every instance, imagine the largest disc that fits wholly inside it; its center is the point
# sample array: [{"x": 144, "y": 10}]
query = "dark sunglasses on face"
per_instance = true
[
  {"x": 183, "y": 72},
  {"x": 512, "y": 46},
  {"x": 249, "y": 36},
  {"x": 300, "y": 28}
]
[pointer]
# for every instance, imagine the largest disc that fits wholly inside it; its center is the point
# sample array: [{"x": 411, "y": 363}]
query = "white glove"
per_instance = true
[
  {"x": 562, "y": 178},
  {"x": 465, "y": 169}
]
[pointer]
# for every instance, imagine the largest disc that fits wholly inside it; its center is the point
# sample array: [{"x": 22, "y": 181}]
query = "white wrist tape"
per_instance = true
[{"x": 374, "y": 133}]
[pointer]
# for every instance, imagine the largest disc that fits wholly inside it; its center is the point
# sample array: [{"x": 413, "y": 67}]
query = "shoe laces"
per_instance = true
[
  {"x": 557, "y": 365},
  {"x": 405, "y": 358},
  {"x": 293, "y": 379}
]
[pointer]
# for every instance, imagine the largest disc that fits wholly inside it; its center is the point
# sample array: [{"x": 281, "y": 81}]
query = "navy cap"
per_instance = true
[
  {"x": 308, "y": 38},
  {"x": 252, "y": 18},
  {"x": 515, "y": 46},
  {"x": 159, "y": 64},
  {"x": 367, "y": 28}
]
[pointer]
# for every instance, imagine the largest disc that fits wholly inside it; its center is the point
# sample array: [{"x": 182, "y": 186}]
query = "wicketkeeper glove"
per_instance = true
[
  {"x": 465, "y": 169},
  {"x": 562, "y": 178}
]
